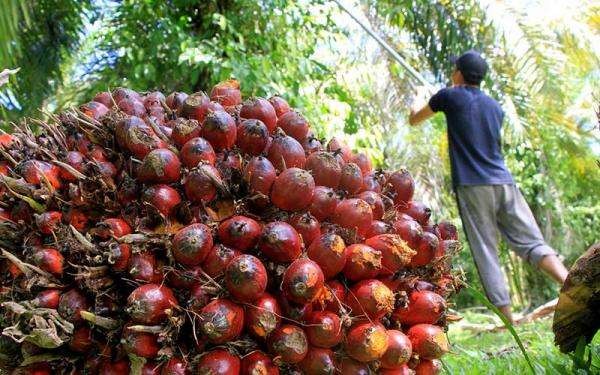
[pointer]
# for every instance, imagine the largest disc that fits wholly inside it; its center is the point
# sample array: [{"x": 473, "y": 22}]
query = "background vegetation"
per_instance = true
[{"x": 544, "y": 66}]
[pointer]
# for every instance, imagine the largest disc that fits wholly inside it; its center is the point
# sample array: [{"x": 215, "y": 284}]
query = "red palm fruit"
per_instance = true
[
  {"x": 351, "y": 179},
  {"x": 121, "y": 93},
  {"x": 39, "y": 368},
  {"x": 398, "y": 352},
  {"x": 402, "y": 370},
  {"x": 289, "y": 343},
  {"x": 349, "y": 366},
  {"x": 280, "y": 242},
  {"x": 107, "y": 169},
  {"x": 363, "y": 162},
  {"x": 96, "y": 153},
  {"x": 363, "y": 262},
  {"x": 424, "y": 307},
  {"x": 418, "y": 211},
  {"x": 428, "y": 367},
  {"x": 260, "y": 109},
  {"x": 76, "y": 160},
  {"x": 353, "y": 214},
  {"x": 175, "y": 100},
  {"x": 409, "y": 230},
  {"x": 239, "y": 232},
  {"x": 325, "y": 169},
  {"x": 366, "y": 342},
  {"x": 433, "y": 229},
  {"x": 258, "y": 363},
  {"x": 185, "y": 278},
  {"x": 77, "y": 219},
  {"x": 191, "y": 244},
  {"x": 401, "y": 187},
  {"x": 137, "y": 137},
  {"x": 329, "y": 252},
  {"x": 428, "y": 341},
  {"x": 220, "y": 130},
  {"x": 447, "y": 230},
  {"x": 307, "y": 226},
  {"x": 446, "y": 247},
  {"x": 371, "y": 182},
  {"x": 184, "y": 130},
  {"x": 197, "y": 150},
  {"x": 303, "y": 281},
  {"x": 21, "y": 212},
  {"x": 324, "y": 329},
  {"x": 221, "y": 321},
  {"x": 286, "y": 152},
  {"x": 6, "y": 140},
  {"x": 318, "y": 361},
  {"x": 175, "y": 366},
  {"x": 128, "y": 190},
  {"x": 4, "y": 214},
  {"x": 160, "y": 166},
  {"x": 132, "y": 107},
  {"x": 293, "y": 189},
  {"x": 335, "y": 295},
  {"x": 426, "y": 250},
  {"x": 280, "y": 105},
  {"x": 197, "y": 106},
  {"x": 294, "y": 125},
  {"x": 218, "y": 362},
  {"x": 142, "y": 344},
  {"x": 293, "y": 311},
  {"x": 246, "y": 278},
  {"x": 370, "y": 298},
  {"x": 50, "y": 260},
  {"x": 378, "y": 227},
  {"x": 94, "y": 110},
  {"x": 112, "y": 227},
  {"x": 202, "y": 182},
  {"x": 81, "y": 341},
  {"x": 217, "y": 259},
  {"x": 151, "y": 368},
  {"x": 228, "y": 160},
  {"x": 395, "y": 252},
  {"x": 150, "y": 303},
  {"x": 260, "y": 174},
  {"x": 120, "y": 367},
  {"x": 144, "y": 268},
  {"x": 39, "y": 172},
  {"x": 153, "y": 99},
  {"x": 70, "y": 304},
  {"x": 324, "y": 202},
  {"x": 163, "y": 197},
  {"x": 339, "y": 147},
  {"x": 263, "y": 316},
  {"x": 227, "y": 93},
  {"x": 199, "y": 298},
  {"x": 374, "y": 200},
  {"x": 48, "y": 221},
  {"x": 48, "y": 298},
  {"x": 104, "y": 98},
  {"x": 311, "y": 144},
  {"x": 252, "y": 137}
]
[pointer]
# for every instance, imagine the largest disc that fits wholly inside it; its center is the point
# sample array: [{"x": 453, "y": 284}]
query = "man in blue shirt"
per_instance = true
[{"x": 488, "y": 199}]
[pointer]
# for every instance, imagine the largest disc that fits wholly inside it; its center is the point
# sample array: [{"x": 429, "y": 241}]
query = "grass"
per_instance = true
[{"x": 498, "y": 353}]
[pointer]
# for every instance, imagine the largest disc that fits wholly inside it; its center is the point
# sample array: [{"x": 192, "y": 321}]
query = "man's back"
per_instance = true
[{"x": 474, "y": 122}]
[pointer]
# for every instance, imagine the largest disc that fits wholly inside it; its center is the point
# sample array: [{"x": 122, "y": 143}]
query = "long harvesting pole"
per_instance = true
[{"x": 414, "y": 73}]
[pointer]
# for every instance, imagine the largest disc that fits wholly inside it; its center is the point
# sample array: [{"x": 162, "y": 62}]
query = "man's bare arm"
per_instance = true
[{"x": 418, "y": 116}]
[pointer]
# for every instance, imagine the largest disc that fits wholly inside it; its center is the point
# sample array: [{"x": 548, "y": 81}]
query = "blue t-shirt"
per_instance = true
[{"x": 474, "y": 121}]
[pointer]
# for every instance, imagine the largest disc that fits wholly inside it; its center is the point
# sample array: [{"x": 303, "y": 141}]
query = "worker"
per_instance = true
[{"x": 488, "y": 199}]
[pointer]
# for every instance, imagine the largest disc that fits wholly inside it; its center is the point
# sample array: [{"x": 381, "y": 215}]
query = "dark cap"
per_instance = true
[{"x": 472, "y": 66}]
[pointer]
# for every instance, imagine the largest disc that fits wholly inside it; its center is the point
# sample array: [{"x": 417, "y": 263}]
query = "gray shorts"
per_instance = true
[{"x": 486, "y": 210}]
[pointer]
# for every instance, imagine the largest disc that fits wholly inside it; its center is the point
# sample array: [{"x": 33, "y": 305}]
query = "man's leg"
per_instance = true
[
  {"x": 477, "y": 205},
  {"x": 522, "y": 233}
]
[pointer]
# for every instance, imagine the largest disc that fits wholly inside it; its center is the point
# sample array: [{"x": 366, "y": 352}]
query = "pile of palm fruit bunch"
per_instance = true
[{"x": 205, "y": 234}]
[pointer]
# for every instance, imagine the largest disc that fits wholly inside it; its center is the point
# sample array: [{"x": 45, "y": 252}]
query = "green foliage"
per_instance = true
[
  {"x": 496, "y": 352},
  {"x": 46, "y": 32}
]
